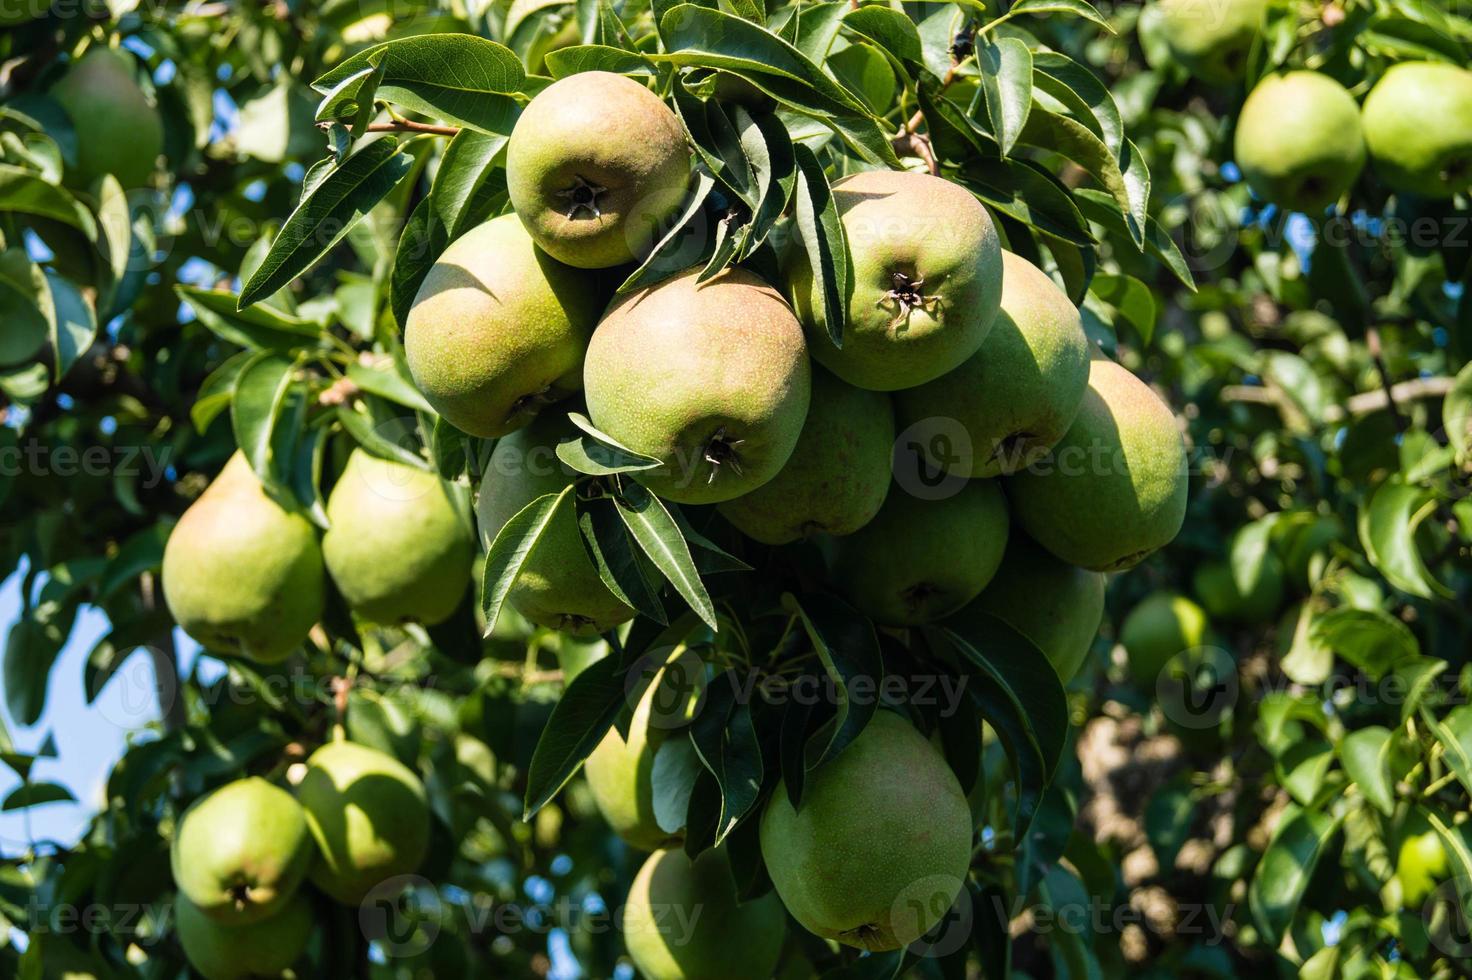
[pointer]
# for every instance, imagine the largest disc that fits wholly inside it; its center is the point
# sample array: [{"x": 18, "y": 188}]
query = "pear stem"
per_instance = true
[{"x": 410, "y": 126}]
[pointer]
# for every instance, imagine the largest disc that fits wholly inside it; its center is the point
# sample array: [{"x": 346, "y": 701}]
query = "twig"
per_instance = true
[
  {"x": 918, "y": 144},
  {"x": 1354, "y": 406},
  {"x": 1372, "y": 341},
  {"x": 410, "y": 126}
]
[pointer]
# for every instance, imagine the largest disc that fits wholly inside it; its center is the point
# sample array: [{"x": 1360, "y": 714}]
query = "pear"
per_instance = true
[
  {"x": 1212, "y": 38},
  {"x": 1299, "y": 141},
  {"x": 595, "y": 167},
  {"x": 369, "y": 816},
  {"x": 240, "y": 852},
  {"x": 267, "y": 948},
  {"x": 1113, "y": 490},
  {"x": 558, "y": 587},
  {"x": 1159, "y": 628},
  {"x": 241, "y": 574},
  {"x": 712, "y": 379},
  {"x": 1421, "y": 862},
  {"x": 118, "y": 131},
  {"x": 398, "y": 547},
  {"x": 683, "y": 921},
  {"x": 1216, "y": 588},
  {"x": 620, "y": 773},
  {"x": 1018, "y": 394},
  {"x": 1056, "y": 605},
  {"x": 927, "y": 280},
  {"x": 1418, "y": 127},
  {"x": 881, "y": 844},
  {"x": 920, "y": 560},
  {"x": 498, "y": 329},
  {"x": 838, "y": 475}
]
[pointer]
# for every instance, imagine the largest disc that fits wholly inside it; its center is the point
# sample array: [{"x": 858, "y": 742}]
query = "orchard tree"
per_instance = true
[{"x": 719, "y": 490}]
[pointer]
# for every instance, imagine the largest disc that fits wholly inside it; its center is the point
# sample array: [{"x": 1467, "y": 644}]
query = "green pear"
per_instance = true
[
  {"x": 1018, "y": 394},
  {"x": 881, "y": 844},
  {"x": 920, "y": 560},
  {"x": 498, "y": 329},
  {"x": 398, "y": 547},
  {"x": 927, "y": 280},
  {"x": 241, "y": 574},
  {"x": 558, "y": 587},
  {"x": 369, "y": 816},
  {"x": 1113, "y": 490},
  {"x": 267, "y": 948},
  {"x": 620, "y": 772},
  {"x": 240, "y": 852},
  {"x": 1418, "y": 127},
  {"x": 1159, "y": 628},
  {"x": 1056, "y": 605},
  {"x": 118, "y": 131},
  {"x": 1212, "y": 38},
  {"x": 684, "y": 921},
  {"x": 838, "y": 475},
  {"x": 1299, "y": 140},
  {"x": 1216, "y": 589},
  {"x": 711, "y": 378},
  {"x": 595, "y": 167}
]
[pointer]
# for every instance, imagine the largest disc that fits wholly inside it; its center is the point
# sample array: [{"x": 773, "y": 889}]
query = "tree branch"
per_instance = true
[{"x": 410, "y": 126}]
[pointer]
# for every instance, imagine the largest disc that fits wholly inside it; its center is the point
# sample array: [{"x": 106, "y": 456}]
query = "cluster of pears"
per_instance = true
[
  {"x": 241, "y": 854},
  {"x": 1302, "y": 140},
  {"x": 244, "y": 571},
  {"x": 119, "y": 131},
  {"x": 847, "y": 864},
  {"x": 735, "y": 385}
]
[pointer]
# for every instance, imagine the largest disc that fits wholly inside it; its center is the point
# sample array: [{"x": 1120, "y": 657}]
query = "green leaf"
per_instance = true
[
  {"x": 1454, "y": 732},
  {"x": 820, "y": 232},
  {"x": 1371, "y": 639},
  {"x": 1249, "y": 553},
  {"x": 471, "y": 176},
  {"x": 1387, "y": 530},
  {"x": 659, "y": 536},
  {"x": 726, "y": 742},
  {"x": 578, "y": 722},
  {"x": 73, "y": 324},
  {"x": 386, "y": 380},
  {"x": 260, "y": 327},
  {"x": 383, "y": 437},
  {"x": 509, "y": 553},
  {"x": 460, "y": 78},
  {"x": 597, "y": 57},
  {"x": 1076, "y": 7},
  {"x": 36, "y": 794},
  {"x": 1456, "y": 410},
  {"x": 769, "y": 148},
  {"x": 1022, "y": 190},
  {"x": 1080, "y": 91},
  {"x": 1287, "y": 865},
  {"x": 1123, "y": 176},
  {"x": 327, "y": 213},
  {"x": 599, "y": 454},
  {"x": 889, "y": 29},
  {"x": 423, "y": 241},
  {"x": 24, "y": 192},
  {"x": 1365, "y": 755},
  {"x": 1006, "y": 88},
  {"x": 848, "y": 648},
  {"x": 260, "y": 391},
  {"x": 617, "y": 558},
  {"x": 1099, "y": 208},
  {"x": 681, "y": 245},
  {"x": 25, "y": 307},
  {"x": 1131, "y": 299}
]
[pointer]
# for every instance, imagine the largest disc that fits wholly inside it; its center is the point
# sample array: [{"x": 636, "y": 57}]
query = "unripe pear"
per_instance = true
[
  {"x": 1418, "y": 127},
  {"x": 558, "y": 587},
  {"x": 920, "y": 560},
  {"x": 881, "y": 844},
  {"x": 498, "y": 329},
  {"x": 1299, "y": 141},
  {"x": 683, "y": 921},
  {"x": 399, "y": 548},
  {"x": 369, "y": 816},
  {"x": 1216, "y": 588},
  {"x": 1056, "y": 605},
  {"x": 927, "y": 280},
  {"x": 1212, "y": 38},
  {"x": 118, "y": 131},
  {"x": 1159, "y": 628},
  {"x": 267, "y": 948},
  {"x": 240, "y": 852},
  {"x": 594, "y": 167},
  {"x": 1421, "y": 862},
  {"x": 712, "y": 379},
  {"x": 1113, "y": 490},
  {"x": 241, "y": 574},
  {"x": 837, "y": 477},
  {"x": 1018, "y": 394},
  {"x": 620, "y": 772}
]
